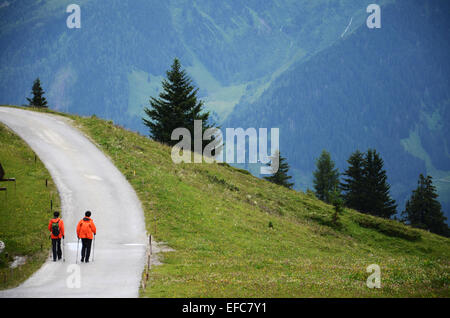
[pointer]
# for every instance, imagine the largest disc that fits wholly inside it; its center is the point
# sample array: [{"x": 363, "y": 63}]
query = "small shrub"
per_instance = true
[
  {"x": 222, "y": 182},
  {"x": 243, "y": 171},
  {"x": 338, "y": 204},
  {"x": 388, "y": 227}
]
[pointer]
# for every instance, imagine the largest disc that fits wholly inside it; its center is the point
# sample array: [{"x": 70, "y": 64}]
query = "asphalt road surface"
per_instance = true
[{"x": 86, "y": 180}]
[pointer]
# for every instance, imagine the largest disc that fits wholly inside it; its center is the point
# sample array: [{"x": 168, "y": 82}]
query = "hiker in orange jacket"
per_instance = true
[
  {"x": 85, "y": 231},
  {"x": 56, "y": 228}
]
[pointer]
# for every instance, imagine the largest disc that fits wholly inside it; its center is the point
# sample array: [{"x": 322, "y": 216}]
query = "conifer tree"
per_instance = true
[
  {"x": 38, "y": 99},
  {"x": 338, "y": 203},
  {"x": 423, "y": 210},
  {"x": 176, "y": 107},
  {"x": 353, "y": 182},
  {"x": 281, "y": 176},
  {"x": 375, "y": 188},
  {"x": 326, "y": 177}
]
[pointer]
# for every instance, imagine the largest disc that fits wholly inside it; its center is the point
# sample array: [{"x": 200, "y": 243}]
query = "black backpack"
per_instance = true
[{"x": 55, "y": 228}]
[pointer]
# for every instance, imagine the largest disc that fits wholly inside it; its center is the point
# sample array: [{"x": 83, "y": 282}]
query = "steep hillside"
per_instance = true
[
  {"x": 25, "y": 211},
  {"x": 385, "y": 88},
  {"x": 217, "y": 218},
  {"x": 235, "y": 235}
]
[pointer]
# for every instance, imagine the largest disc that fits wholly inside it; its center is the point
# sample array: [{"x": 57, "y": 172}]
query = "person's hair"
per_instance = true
[
  {"x": 56, "y": 214},
  {"x": 88, "y": 213}
]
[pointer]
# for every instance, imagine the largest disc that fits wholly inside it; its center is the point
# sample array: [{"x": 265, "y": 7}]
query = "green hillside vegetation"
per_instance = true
[
  {"x": 217, "y": 219},
  {"x": 25, "y": 211}
]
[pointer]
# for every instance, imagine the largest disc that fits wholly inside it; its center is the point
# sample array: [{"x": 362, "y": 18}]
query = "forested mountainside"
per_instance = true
[
  {"x": 116, "y": 60},
  {"x": 382, "y": 88}
]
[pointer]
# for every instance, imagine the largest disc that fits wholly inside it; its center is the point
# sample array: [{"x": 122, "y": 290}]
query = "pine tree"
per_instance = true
[
  {"x": 176, "y": 107},
  {"x": 338, "y": 203},
  {"x": 375, "y": 187},
  {"x": 281, "y": 176},
  {"x": 326, "y": 177},
  {"x": 353, "y": 182},
  {"x": 423, "y": 210},
  {"x": 38, "y": 99}
]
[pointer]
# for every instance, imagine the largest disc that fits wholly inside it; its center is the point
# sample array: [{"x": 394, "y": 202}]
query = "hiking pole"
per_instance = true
[
  {"x": 76, "y": 258},
  {"x": 64, "y": 250},
  {"x": 93, "y": 250},
  {"x": 50, "y": 238}
]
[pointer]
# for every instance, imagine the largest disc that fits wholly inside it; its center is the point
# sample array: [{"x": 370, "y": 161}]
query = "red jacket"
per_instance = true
[
  {"x": 61, "y": 228},
  {"x": 86, "y": 228}
]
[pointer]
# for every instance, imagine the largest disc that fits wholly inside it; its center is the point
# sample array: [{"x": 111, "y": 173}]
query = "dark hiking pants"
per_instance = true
[
  {"x": 56, "y": 248},
  {"x": 85, "y": 249}
]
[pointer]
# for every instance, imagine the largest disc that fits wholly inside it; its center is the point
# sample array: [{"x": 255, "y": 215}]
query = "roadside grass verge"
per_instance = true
[{"x": 25, "y": 210}]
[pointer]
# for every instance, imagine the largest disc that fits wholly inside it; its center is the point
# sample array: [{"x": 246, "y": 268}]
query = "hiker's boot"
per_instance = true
[{"x": 82, "y": 260}]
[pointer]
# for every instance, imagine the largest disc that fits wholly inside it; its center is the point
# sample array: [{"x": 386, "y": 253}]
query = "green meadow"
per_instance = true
[
  {"x": 24, "y": 209},
  {"x": 216, "y": 219}
]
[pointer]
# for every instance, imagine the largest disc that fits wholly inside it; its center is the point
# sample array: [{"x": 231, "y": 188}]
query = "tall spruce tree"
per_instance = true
[
  {"x": 353, "y": 182},
  {"x": 375, "y": 188},
  {"x": 423, "y": 210},
  {"x": 38, "y": 99},
  {"x": 176, "y": 107},
  {"x": 281, "y": 176},
  {"x": 326, "y": 177}
]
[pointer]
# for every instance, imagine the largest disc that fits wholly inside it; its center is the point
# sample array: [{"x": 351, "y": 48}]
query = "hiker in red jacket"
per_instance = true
[
  {"x": 85, "y": 231},
  {"x": 56, "y": 228}
]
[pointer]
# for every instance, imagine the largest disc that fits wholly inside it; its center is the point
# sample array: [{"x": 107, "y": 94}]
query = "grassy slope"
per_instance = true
[
  {"x": 25, "y": 213},
  {"x": 216, "y": 218}
]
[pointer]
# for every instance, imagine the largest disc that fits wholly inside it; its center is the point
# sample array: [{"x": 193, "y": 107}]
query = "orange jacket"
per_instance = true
[
  {"x": 86, "y": 228},
  {"x": 61, "y": 228}
]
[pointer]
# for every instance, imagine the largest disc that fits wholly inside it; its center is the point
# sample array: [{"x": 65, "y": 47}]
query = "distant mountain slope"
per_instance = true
[
  {"x": 110, "y": 67},
  {"x": 386, "y": 88}
]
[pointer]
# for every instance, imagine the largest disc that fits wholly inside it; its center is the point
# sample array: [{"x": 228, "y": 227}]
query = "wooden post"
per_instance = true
[
  {"x": 150, "y": 241},
  {"x": 149, "y": 254}
]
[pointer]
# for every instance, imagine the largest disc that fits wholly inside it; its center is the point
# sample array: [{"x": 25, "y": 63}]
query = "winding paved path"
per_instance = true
[{"x": 86, "y": 180}]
